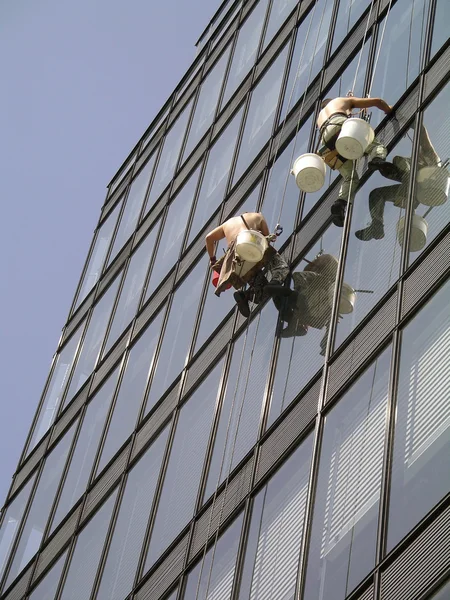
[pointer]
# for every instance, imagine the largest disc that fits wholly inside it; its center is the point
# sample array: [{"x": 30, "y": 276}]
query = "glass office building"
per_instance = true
[{"x": 180, "y": 451}]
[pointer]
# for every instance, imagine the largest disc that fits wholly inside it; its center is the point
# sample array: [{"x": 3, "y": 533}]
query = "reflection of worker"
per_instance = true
[
  {"x": 332, "y": 116},
  {"x": 237, "y": 272},
  {"x": 399, "y": 171}
]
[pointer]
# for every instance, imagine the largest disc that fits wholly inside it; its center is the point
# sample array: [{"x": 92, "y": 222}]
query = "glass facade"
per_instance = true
[{"x": 204, "y": 455}]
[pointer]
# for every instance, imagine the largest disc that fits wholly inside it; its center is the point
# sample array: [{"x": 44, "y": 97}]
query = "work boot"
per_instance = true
[
  {"x": 294, "y": 329},
  {"x": 375, "y": 231},
  {"x": 242, "y": 303},
  {"x": 377, "y": 163},
  {"x": 338, "y": 210},
  {"x": 276, "y": 288}
]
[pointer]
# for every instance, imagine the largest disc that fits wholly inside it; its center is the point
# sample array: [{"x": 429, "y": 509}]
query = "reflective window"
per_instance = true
[
  {"x": 349, "y": 13},
  {"x": 46, "y": 589},
  {"x": 177, "y": 334},
  {"x": 129, "y": 530},
  {"x": 215, "y": 177},
  {"x": 213, "y": 576},
  {"x": 261, "y": 114},
  {"x": 443, "y": 593},
  {"x": 345, "y": 518},
  {"x": 309, "y": 51},
  {"x": 169, "y": 156},
  {"x": 185, "y": 466},
  {"x": 133, "y": 207},
  {"x": 93, "y": 340},
  {"x": 245, "y": 50},
  {"x": 87, "y": 553},
  {"x": 131, "y": 391},
  {"x": 275, "y": 538},
  {"x": 207, "y": 102},
  {"x": 301, "y": 354},
  {"x": 36, "y": 520},
  {"x": 440, "y": 27},
  {"x": 98, "y": 254},
  {"x": 432, "y": 208},
  {"x": 401, "y": 52},
  {"x": 56, "y": 387},
  {"x": 11, "y": 522},
  {"x": 131, "y": 291},
  {"x": 173, "y": 233},
  {"x": 421, "y": 465},
  {"x": 82, "y": 460},
  {"x": 279, "y": 11},
  {"x": 244, "y": 397}
]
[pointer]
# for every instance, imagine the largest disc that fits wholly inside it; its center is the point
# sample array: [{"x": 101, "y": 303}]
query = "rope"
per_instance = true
[
  {"x": 379, "y": 47},
  {"x": 362, "y": 45}
]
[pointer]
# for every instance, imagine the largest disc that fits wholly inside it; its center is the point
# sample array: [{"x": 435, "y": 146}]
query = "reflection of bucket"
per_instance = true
[
  {"x": 356, "y": 134},
  {"x": 433, "y": 185},
  {"x": 347, "y": 301},
  {"x": 309, "y": 171},
  {"x": 419, "y": 230},
  {"x": 251, "y": 245}
]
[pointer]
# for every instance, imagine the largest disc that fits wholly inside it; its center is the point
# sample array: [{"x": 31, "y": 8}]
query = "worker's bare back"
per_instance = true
[
  {"x": 338, "y": 105},
  {"x": 235, "y": 225}
]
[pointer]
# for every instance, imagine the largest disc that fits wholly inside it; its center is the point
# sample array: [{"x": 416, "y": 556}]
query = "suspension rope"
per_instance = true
[
  {"x": 379, "y": 47},
  {"x": 363, "y": 42}
]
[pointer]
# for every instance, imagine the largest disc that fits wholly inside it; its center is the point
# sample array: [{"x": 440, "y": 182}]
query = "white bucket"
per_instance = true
[
  {"x": 433, "y": 185},
  {"x": 356, "y": 135},
  {"x": 251, "y": 245},
  {"x": 309, "y": 171},
  {"x": 419, "y": 230},
  {"x": 347, "y": 301}
]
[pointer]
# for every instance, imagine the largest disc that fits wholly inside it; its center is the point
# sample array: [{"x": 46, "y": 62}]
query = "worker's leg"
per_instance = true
[
  {"x": 377, "y": 200},
  {"x": 347, "y": 191},
  {"x": 279, "y": 270}
]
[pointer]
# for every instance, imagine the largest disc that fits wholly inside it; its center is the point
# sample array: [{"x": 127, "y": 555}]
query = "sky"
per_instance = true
[{"x": 81, "y": 81}]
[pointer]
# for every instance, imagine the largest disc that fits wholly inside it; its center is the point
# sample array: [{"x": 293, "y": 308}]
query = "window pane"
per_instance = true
[
  {"x": 207, "y": 102},
  {"x": 93, "y": 340},
  {"x": 56, "y": 387},
  {"x": 443, "y": 593},
  {"x": 41, "y": 505},
  {"x": 261, "y": 114},
  {"x": 177, "y": 334},
  {"x": 130, "y": 528},
  {"x": 310, "y": 48},
  {"x": 133, "y": 207},
  {"x": 244, "y": 397},
  {"x": 421, "y": 465},
  {"x": 169, "y": 156},
  {"x": 216, "y": 571},
  {"x": 86, "y": 557},
  {"x": 11, "y": 522},
  {"x": 131, "y": 391},
  {"x": 276, "y": 530},
  {"x": 345, "y": 519},
  {"x": 349, "y": 13},
  {"x": 85, "y": 451},
  {"x": 279, "y": 12},
  {"x": 440, "y": 27},
  {"x": 131, "y": 291},
  {"x": 215, "y": 179},
  {"x": 245, "y": 50},
  {"x": 99, "y": 251},
  {"x": 185, "y": 466},
  {"x": 46, "y": 590},
  {"x": 173, "y": 233}
]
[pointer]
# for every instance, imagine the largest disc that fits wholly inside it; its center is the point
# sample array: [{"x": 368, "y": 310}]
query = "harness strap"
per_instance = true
[{"x": 245, "y": 222}]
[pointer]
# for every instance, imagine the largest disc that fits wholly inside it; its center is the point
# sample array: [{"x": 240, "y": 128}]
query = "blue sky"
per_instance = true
[{"x": 80, "y": 83}]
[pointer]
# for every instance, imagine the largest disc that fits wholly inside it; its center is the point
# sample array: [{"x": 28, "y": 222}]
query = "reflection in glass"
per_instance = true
[
  {"x": 279, "y": 11},
  {"x": 207, "y": 102},
  {"x": 93, "y": 340},
  {"x": 130, "y": 528},
  {"x": 245, "y": 50},
  {"x": 185, "y": 465},
  {"x": 133, "y": 207},
  {"x": 131, "y": 391},
  {"x": 46, "y": 589},
  {"x": 98, "y": 254},
  {"x": 345, "y": 518},
  {"x": 215, "y": 177},
  {"x": 443, "y": 592},
  {"x": 11, "y": 522},
  {"x": 36, "y": 520},
  {"x": 212, "y": 578},
  {"x": 82, "y": 460},
  {"x": 131, "y": 291},
  {"x": 177, "y": 334},
  {"x": 87, "y": 553},
  {"x": 243, "y": 398},
  {"x": 349, "y": 13},
  {"x": 56, "y": 387},
  {"x": 440, "y": 27},
  {"x": 261, "y": 114},
  {"x": 421, "y": 465},
  {"x": 273, "y": 548}
]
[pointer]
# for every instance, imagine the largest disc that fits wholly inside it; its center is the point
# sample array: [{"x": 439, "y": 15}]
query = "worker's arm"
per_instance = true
[
  {"x": 371, "y": 102},
  {"x": 264, "y": 226},
  {"x": 214, "y": 236}
]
